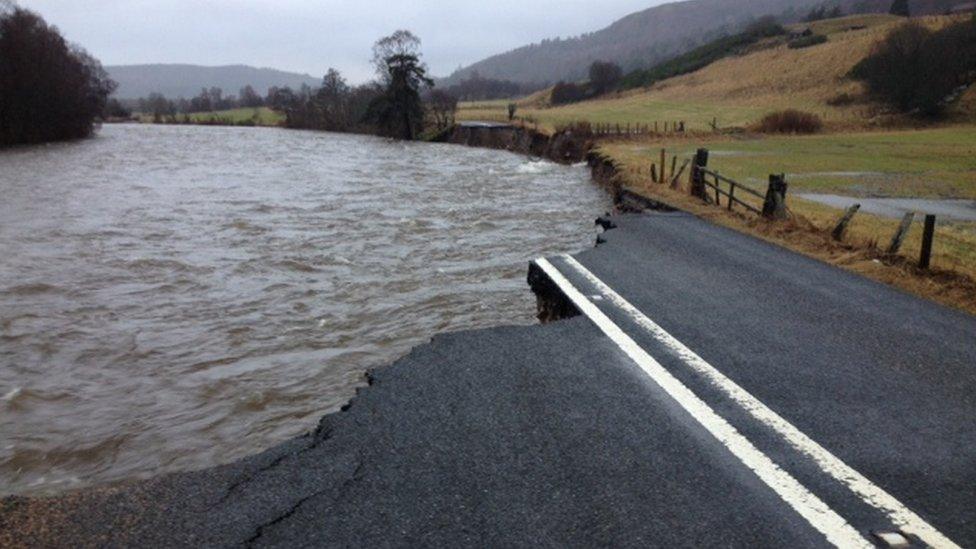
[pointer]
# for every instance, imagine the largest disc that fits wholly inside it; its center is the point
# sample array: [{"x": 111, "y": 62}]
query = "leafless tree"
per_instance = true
[
  {"x": 442, "y": 107},
  {"x": 400, "y": 43}
]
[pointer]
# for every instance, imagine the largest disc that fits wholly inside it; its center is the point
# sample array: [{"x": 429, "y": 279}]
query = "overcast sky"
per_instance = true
[{"x": 311, "y": 35}]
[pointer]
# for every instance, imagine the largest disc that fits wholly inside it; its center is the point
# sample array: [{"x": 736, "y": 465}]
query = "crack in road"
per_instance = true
[{"x": 357, "y": 474}]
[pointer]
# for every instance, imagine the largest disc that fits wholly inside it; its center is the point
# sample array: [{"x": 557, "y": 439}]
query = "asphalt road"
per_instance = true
[{"x": 715, "y": 391}]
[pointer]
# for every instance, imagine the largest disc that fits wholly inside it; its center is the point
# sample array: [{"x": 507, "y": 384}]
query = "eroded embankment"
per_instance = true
[{"x": 564, "y": 147}]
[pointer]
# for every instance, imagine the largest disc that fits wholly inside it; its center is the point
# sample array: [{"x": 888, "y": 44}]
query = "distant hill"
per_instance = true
[
  {"x": 645, "y": 38},
  {"x": 187, "y": 80}
]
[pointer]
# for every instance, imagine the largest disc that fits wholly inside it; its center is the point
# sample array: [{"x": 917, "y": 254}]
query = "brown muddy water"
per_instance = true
[{"x": 172, "y": 298}]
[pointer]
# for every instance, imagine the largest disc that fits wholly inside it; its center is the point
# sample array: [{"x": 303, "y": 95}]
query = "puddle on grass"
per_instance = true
[
  {"x": 835, "y": 174},
  {"x": 960, "y": 210}
]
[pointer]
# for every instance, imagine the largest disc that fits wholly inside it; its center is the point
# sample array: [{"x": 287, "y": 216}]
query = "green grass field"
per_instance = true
[
  {"x": 624, "y": 110},
  {"x": 262, "y": 116},
  {"x": 929, "y": 163}
]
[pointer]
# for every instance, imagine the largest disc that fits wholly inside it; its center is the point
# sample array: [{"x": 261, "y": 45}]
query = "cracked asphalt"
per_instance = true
[{"x": 552, "y": 436}]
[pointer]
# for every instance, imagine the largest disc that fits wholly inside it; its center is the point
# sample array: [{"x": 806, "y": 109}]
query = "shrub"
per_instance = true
[
  {"x": 808, "y": 41},
  {"x": 915, "y": 69},
  {"x": 790, "y": 121},
  {"x": 565, "y": 93},
  {"x": 604, "y": 76},
  {"x": 842, "y": 100}
]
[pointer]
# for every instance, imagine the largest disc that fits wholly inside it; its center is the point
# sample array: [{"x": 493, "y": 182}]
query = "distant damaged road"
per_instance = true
[{"x": 707, "y": 389}]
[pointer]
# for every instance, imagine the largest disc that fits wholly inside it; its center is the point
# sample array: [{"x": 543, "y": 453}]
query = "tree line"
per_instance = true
[
  {"x": 401, "y": 102},
  {"x": 50, "y": 90}
]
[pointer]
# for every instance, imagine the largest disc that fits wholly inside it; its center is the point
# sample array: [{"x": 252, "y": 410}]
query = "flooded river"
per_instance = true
[{"x": 172, "y": 298}]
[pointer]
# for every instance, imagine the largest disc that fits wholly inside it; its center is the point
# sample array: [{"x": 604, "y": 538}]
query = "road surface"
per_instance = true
[{"x": 713, "y": 390}]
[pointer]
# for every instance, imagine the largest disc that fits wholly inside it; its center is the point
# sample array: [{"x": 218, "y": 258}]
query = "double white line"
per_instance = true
[{"x": 827, "y": 521}]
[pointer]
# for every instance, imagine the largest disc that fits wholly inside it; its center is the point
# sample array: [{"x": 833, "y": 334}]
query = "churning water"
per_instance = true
[{"x": 172, "y": 298}]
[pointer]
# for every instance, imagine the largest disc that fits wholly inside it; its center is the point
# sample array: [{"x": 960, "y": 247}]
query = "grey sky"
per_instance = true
[{"x": 310, "y": 36}]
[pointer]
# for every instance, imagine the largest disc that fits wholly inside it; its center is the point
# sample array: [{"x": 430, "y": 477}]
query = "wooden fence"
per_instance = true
[
  {"x": 636, "y": 129},
  {"x": 711, "y": 186},
  {"x": 773, "y": 202}
]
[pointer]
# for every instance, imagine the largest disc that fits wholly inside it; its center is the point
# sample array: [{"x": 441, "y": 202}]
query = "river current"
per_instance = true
[{"x": 173, "y": 298}]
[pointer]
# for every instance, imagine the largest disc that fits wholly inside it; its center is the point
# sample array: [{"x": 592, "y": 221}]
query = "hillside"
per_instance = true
[
  {"x": 739, "y": 90},
  {"x": 187, "y": 80},
  {"x": 645, "y": 38}
]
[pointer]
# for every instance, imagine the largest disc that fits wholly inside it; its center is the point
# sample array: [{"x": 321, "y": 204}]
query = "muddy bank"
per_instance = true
[{"x": 564, "y": 147}]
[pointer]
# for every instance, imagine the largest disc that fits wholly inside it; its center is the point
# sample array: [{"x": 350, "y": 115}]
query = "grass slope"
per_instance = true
[{"x": 737, "y": 91}]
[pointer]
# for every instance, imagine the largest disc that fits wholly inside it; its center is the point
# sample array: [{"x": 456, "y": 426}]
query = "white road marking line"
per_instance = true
[
  {"x": 870, "y": 493},
  {"x": 809, "y": 506}
]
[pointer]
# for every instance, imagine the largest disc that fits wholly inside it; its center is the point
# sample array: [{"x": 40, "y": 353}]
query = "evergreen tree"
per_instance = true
[
  {"x": 399, "y": 111},
  {"x": 900, "y": 8}
]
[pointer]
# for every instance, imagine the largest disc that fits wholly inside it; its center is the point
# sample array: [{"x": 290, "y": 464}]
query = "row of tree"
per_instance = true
[
  {"x": 400, "y": 103},
  {"x": 49, "y": 90},
  {"x": 479, "y": 88},
  {"x": 604, "y": 77}
]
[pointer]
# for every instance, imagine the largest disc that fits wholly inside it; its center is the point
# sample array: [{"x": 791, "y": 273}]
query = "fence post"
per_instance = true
[
  {"x": 675, "y": 181},
  {"x": 845, "y": 222},
  {"x": 927, "y": 237},
  {"x": 775, "y": 205},
  {"x": 664, "y": 160},
  {"x": 697, "y": 176},
  {"x": 653, "y": 173},
  {"x": 899, "y": 238}
]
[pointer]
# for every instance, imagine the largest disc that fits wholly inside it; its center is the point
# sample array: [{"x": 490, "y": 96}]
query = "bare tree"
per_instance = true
[
  {"x": 331, "y": 102},
  {"x": 250, "y": 98},
  {"x": 400, "y": 43},
  {"x": 442, "y": 106}
]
